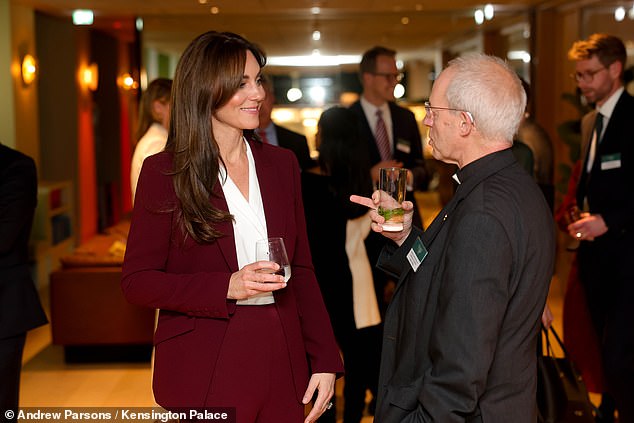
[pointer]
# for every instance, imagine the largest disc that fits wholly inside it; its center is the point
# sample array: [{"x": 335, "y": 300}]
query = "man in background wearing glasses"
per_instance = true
[
  {"x": 460, "y": 335},
  {"x": 605, "y": 193},
  {"x": 377, "y": 111},
  {"x": 393, "y": 140}
]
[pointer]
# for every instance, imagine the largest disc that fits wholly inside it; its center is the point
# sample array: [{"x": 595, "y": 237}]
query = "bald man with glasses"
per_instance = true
[{"x": 605, "y": 194}]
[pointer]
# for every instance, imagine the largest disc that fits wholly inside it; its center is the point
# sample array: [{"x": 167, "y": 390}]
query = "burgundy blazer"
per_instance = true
[{"x": 189, "y": 281}]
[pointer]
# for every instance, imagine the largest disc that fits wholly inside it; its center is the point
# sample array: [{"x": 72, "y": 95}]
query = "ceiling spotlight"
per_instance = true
[
  {"x": 139, "y": 24},
  {"x": 214, "y": 10},
  {"x": 488, "y": 12},
  {"x": 479, "y": 16},
  {"x": 294, "y": 94},
  {"x": 619, "y": 13},
  {"x": 83, "y": 17},
  {"x": 630, "y": 13},
  {"x": 315, "y": 10},
  {"x": 316, "y": 35},
  {"x": 404, "y": 20}
]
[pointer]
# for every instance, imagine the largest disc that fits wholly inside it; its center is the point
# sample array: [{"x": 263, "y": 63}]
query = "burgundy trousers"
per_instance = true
[{"x": 253, "y": 373}]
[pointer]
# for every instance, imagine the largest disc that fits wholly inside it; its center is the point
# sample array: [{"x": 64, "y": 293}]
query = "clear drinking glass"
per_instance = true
[
  {"x": 393, "y": 181},
  {"x": 272, "y": 249}
]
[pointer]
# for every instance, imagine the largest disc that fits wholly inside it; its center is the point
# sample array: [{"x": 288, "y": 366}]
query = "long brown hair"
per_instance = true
[
  {"x": 158, "y": 90},
  {"x": 208, "y": 74}
]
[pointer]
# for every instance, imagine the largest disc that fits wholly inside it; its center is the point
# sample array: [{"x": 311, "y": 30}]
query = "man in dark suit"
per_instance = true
[
  {"x": 461, "y": 332},
  {"x": 392, "y": 141},
  {"x": 20, "y": 308},
  {"x": 379, "y": 75},
  {"x": 606, "y": 193},
  {"x": 274, "y": 134}
]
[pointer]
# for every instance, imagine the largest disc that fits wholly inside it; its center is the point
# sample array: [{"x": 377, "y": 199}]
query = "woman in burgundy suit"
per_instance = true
[{"x": 229, "y": 336}]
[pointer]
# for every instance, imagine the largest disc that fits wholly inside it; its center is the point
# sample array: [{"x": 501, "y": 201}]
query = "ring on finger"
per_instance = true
[
  {"x": 579, "y": 234},
  {"x": 329, "y": 406}
]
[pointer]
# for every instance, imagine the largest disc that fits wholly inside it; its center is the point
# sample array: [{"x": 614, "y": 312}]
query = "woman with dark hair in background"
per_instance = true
[
  {"x": 337, "y": 230},
  {"x": 231, "y": 334},
  {"x": 151, "y": 133}
]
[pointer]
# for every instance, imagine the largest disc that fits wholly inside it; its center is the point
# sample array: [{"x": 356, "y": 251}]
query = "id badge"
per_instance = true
[
  {"x": 611, "y": 161},
  {"x": 403, "y": 145},
  {"x": 417, "y": 254}
]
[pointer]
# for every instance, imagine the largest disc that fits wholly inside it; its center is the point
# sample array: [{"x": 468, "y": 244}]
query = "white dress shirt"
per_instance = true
[{"x": 249, "y": 223}]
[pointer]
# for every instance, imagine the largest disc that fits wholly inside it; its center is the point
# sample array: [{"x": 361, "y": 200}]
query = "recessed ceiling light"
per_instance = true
[
  {"x": 83, "y": 17},
  {"x": 478, "y": 16},
  {"x": 619, "y": 14},
  {"x": 489, "y": 12},
  {"x": 214, "y": 10}
]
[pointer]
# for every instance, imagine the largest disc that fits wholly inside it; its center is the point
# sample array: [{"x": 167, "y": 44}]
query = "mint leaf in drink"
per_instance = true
[{"x": 391, "y": 214}]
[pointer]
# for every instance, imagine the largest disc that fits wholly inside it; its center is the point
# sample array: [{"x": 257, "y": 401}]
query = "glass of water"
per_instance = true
[{"x": 273, "y": 249}]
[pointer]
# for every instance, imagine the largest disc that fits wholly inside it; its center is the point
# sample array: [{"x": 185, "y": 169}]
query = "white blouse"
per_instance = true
[{"x": 249, "y": 223}]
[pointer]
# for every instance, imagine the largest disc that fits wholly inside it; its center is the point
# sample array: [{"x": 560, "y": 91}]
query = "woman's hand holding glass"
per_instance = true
[
  {"x": 253, "y": 279},
  {"x": 269, "y": 273},
  {"x": 273, "y": 249}
]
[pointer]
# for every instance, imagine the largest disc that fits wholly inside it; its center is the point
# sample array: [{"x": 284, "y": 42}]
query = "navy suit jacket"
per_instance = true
[
  {"x": 189, "y": 281},
  {"x": 407, "y": 145},
  {"x": 19, "y": 300},
  {"x": 297, "y": 143},
  {"x": 610, "y": 184}
]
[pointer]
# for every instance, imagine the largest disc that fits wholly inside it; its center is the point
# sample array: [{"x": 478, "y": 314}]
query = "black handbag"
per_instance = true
[{"x": 562, "y": 396}]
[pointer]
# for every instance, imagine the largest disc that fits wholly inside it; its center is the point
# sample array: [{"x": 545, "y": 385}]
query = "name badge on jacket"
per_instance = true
[
  {"x": 403, "y": 145},
  {"x": 611, "y": 161},
  {"x": 417, "y": 254}
]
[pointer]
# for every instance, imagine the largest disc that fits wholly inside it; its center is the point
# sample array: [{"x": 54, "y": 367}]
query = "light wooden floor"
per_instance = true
[{"x": 47, "y": 381}]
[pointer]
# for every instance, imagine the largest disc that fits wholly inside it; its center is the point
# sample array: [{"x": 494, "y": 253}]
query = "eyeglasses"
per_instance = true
[
  {"x": 398, "y": 77},
  {"x": 586, "y": 76},
  {"x": 429, "y": 111}
]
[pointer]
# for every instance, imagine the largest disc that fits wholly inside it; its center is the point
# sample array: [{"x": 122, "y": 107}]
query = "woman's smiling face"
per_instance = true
[{"x": 241, "y": 111}]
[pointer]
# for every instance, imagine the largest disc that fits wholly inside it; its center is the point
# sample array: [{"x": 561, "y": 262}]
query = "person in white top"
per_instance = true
[{"x": 151, "y": 133}]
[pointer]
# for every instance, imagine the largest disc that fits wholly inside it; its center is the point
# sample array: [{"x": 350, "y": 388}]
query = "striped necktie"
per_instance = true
[{"x": 382, "y": 140}]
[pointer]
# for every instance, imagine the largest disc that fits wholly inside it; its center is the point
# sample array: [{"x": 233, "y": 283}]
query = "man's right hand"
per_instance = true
[{"x": 378, "y": 220}]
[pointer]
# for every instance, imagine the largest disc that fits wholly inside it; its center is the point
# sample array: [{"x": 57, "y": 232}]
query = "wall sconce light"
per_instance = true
[
  {"x": 29, "y": 69},
  {"x": 89, "y": 76},
  {"x": 127, "y": 82}
]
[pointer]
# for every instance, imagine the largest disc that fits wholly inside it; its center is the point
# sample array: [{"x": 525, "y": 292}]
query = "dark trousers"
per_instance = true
[
  {"x": 361, "y": 357},
  {"x": 608, "y": 278},
  {"x": 10, "y": 366}
]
